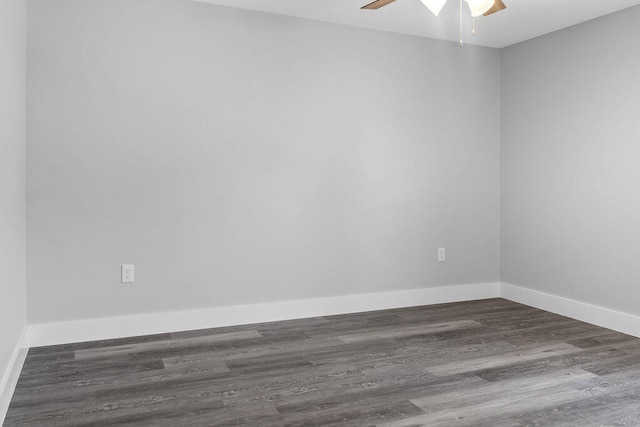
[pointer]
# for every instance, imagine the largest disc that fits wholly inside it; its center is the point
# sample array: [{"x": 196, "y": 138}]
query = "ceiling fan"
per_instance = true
[{"x": 477, "y": 7}]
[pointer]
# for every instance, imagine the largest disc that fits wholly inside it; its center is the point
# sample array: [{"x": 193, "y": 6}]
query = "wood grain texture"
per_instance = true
[
  {"x": 498, "y": 5},
  {"x": 478, "y": 363},
  {"x": 377, "y": 4}
]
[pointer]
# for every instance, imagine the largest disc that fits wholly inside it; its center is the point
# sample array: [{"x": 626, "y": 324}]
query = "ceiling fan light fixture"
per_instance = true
[
  {"x": 479, "y": 7},
  {"x": 435, "y": 6}
]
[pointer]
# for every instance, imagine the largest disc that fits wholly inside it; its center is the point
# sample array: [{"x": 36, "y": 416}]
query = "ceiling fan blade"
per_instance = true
[
  {"x": 377, "y": 4},
  {"x": 497, "y": 7}
]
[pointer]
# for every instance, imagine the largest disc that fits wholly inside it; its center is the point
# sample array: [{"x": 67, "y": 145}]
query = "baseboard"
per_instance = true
[
  {"x": 146, "y": 324},
  {"x": 589, "y": 313},
  {"x": 12, "y": 373},
  {"x": 155, "y": 323}
]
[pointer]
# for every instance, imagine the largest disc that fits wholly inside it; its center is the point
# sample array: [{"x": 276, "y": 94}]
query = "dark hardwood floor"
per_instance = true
[{"x": 480, "y": 363}]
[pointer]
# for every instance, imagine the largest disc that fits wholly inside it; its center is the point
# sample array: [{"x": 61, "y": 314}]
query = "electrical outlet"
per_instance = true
[
  {"x": 128, "y": 273},
  {"x": 442, "y": 255}
]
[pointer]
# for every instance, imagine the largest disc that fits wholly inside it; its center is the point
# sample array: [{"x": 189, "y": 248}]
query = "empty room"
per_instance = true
[{"x": 320, "y": 213}]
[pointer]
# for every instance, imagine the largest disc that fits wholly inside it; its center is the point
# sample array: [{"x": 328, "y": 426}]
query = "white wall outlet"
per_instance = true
[
  {"x": 128, "y": 273},
  {"x": 442, "y": 255}
]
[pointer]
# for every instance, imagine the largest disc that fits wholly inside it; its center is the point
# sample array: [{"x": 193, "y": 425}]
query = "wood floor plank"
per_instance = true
[
  {"x": 491, "y": 404},
  {"x": 94, "y": 344},
  {"x": 508, "y": 358},
  {"x": 354, "y": 413},
  {"x": 489, "y": 394},
  {"x": 477, "y": 363},
  {"x": 408, "y": 331},
  {"x": 482, "y": 413},
  {"x": 86, "y": 373},
  {"x": 359, "y": 394},
  {"x": 120, "y": 350},
  {"x": 601, "y": 410}
]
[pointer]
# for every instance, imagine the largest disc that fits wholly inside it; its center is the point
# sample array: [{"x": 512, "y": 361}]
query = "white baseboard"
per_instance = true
[
  {"x": 155, "y": 323},
  {"x": 12, "y": 373},
  {"x": 596, "y": 315},
  {"x": 146, "y": 324}
]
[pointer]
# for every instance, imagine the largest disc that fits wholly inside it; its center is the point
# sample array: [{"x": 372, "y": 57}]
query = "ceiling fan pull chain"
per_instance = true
[
  {"x": 461, "y": 43},
  {"x": 474, "y": 29}
]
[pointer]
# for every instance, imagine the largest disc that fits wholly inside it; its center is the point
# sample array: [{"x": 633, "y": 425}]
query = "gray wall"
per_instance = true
[
  {"x": 571, "y": 162},
  {"x": 12, "y": 176},
  {"x": 240, "y": 157}
]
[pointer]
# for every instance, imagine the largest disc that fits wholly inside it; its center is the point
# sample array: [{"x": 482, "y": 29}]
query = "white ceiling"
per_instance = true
[{"x": 522, "y": 20}]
